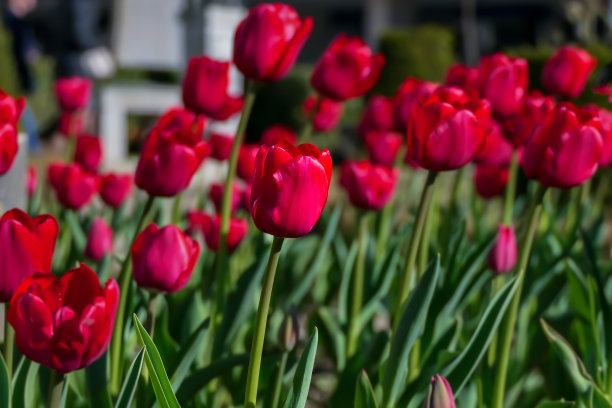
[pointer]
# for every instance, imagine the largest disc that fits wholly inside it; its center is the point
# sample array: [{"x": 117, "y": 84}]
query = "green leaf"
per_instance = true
[
  {"x": 24, "y": 384},
  {"x": 459, "y": 371},
  {"x": 330, "y": 325},
  {"x": 303, "y": 374},
  {"x": 97, "y": 383},
  {"x": 130, "y": 383},
  {"x": 189, "y": 352},
  {"x": 5, "y": 387},
  {"x": 364, "y": 394},
  {"x": 159, "y": 379},
  {"x": 410, "y": 327},
  {"x": 343, "y": 292},
  {"x": 556, "y": 404},
  {"x": 78, "y": 235}
]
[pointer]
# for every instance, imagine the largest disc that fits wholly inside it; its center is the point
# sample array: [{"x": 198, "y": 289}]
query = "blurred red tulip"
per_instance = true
[
  {"x": 8, "y": 146},
  {"x": 409, "y": 91},
  {"x": 463, "y": 77},
  {"x": 369, "y": 186},
  {"x": 216, "y": 196},
  {"x": 246, "y": 161},
  {"x": 73, "y": 93},
  {"x": 503, "y": 82},
  {"x": 383, "y": 146},
  {"x": 88, "y": 152},
  {"x": 220, "y": 146},
  {"x": 71, "y": 124},
  {"x": 181, "y": 119},
  {"x": 32, "y": 180},
  {"x": 115, "y": 188},
  {"x": 277, "y": 133},
  {"x": 502, "y": 256},
  {"x": 99, "y": 240},
  {"x": 10, "y": 108},
  {"x": 328, "y": 113},
  {"x": 566, "y": 72},
  {"x": 497, "y": 150},
  {"x": 74, "y": 187},
  {"x": 521, "y": 127},
  {"x": 210, "y": 226},
  {"x": 491, "y": 179},
  {"x": 377, "y": 115},
  {"x": 605, "y": 116}
]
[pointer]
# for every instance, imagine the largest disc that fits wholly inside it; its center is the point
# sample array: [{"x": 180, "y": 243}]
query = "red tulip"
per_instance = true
[
  {"x": 10, "y": 108},
  {"x": 290, "y": 188},
  {"x": 565, "y": 152},
  {"x": 72, "y": 93},
  {"x": 71, "y": 123},
  {"x": 447, "y": 130},
  {"x": 216, "y": 196},
  {"x": 269, "y": 40},
  {"x": 26, "y": 246},
  {"x": 536, "y": 108},
  {"x": 277, "y": 133},
  {"x": 8, "y": 146},
  {"x": 205, "y": 89},
  {"x": 32, "y": 180},
  {"x": 99, "y": 240},
  {"x": 502, "y": 256},
  {"x": 74, "y": 187},
  {"x": 567, "y": 71},
  {"x": 164, "y": 258},
  {"x": 383, "y": 147},
  {"x": 64, "y": 323},
  {"x": 377, "y": 115},
  {"x": 328, "y": 113},
  {"x": 246, "y": 161},
  {"x": 347, "y": 69},
  {"x": 409, "y": 91},
  {"x": 220, "y": 146},
  {"x": 503, "y": 82},
  {"x": 463, "y": 77},
  {"x": 491, "y": 180},
  {"x": 181, "y": 119},
  {"x": 210, "y": 225},
  {"x": 88, "y": 152},
  {"x": 497, "y": 150},
  {"x": 115, "y": 188},
  {"x": 369, "y": 186},
  {"x": 605, "y": 116},
  {"x": 168, "y": 161}
]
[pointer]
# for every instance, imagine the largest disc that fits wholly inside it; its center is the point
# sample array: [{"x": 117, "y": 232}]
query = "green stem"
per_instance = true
[
  {"x": 507, "y": 328},
  {"x": 424, "y": 245},
  {"x": 176, "y": 209},
  {"x": 260, "y": 324},
  {"x": 306, "y": 131},
  {"x": 9, "y": 345},
  {"x": 510, "y": 190},
  {"x": 278, "y": 381},
  {"x": 358, "y": 284},
  {"x": 413, "y": 245},
  {"x": 125, "y": 280},
  {"x": 384, "y": 226},
  {"x": 496, "y": 284},
  {"x": 56, "y": 387}
]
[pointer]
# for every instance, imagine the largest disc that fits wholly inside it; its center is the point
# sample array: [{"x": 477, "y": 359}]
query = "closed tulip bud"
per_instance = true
[
  {"x": 210, "y": 226},
  {"x": 246, "y": 161},
  {"x": 205, "y": 89},
  {"x": 163, "y": 258},
  {"x": 383, "y": 146},
  {"x": 566, "y": 150},
  {"x": 26, "y": 246},
  {"x": 31, "y": 180},
  {"x": 8, "y": 146},
  {"x": 268, "y": 41},
  {"x": 220, "y": 146},
  {"x": 440, "y": 394},
  {"x": 168, "y": 161},
  {"x": 70, "y": 124},
  {"x": 289, "y": 331},
  {"x": 502, "y": 256},
  {"x": 88, "y": 152},
  {"x": 99, "y": 240},
  {"x": 491, "y": 180},
  {"x": 115, "y": 188},
  {"x": 496, "y": 150},
  {"x": 605, "y": 116},
  {"x": 181, "y": 119},
  {"x": 463, "y": 77},
  {"x": 377, "y": 115},
  {"x": 566, "y": 73},
  {"x": 369, "y": 186},
  {"x": 503, "y": 82},
  {"x": 277, "y": 133},
  {"x": 447, "y": 130},
  {"x": 347, "y": 69},
  {"x": 521, "y": 127},
  {"x": 216, "y": 196},
  {"x": 406, "y": 95},
  {"x": 290, "y": 187},
  {"x": 72, "y": 93},
  {"x": 328, "y": 113},
  {"x": 64, "y": 323},
  {"x": 10, "y": 108},
  {"x": 73, "y": 186}
]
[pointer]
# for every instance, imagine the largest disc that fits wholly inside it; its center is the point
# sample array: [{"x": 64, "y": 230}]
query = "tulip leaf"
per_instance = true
[
  {"x": 78, "y": 235},
  {"x": 343, "y": 292},
  {"x": 128, "y": 388},
  {"x": 330, "y": 325},
  {"x": 409, "y": 328},
  {"x": 556, "y": 404},
  {"x": 24, "y": 381},
  {"x": 364, "y": 394},
  {"x": 5, "y": 387},
  {"x": 459, "y": 371},
  {"x": 303, "y": 373},
  {"x": 97, "y": 383},
  {"x": 189, "y": 352},
  {"x": 159, "y": 378}
]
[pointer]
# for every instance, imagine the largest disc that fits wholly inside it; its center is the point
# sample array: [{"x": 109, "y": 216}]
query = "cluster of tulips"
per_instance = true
[{"x": 400, "y": 325}]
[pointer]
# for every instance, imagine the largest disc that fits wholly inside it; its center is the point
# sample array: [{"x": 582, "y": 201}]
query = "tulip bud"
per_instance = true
[
  {"x": 277, "y": 133},
  {"x": 370, "y": 186},
  {"x": 246, "y": 161},
  {"x": 567, "y": 71},
  {"x": 503, "y": 253},
  {"x": 8, "y": 146},
  {"x": 210, "y": 227},
  {"x": 377, "y": 115},
  {"x": 72, "y": 93},
  {"x": 74, "y": 187},
  {"x": 383, "y": 146},
  {"x": 220, "y": 146},
  {"x": 328, "y": 113},
  {"x": 32, "y": 180},
  {"x": 440, "y": 394},
  {"x": 99, "y": 240},
  {"x": 10, "y": 108},
  {"x": 216, "y": 196},
  {"x": 115, "y": 188},
  {"x": 289, "y": 331},
  {"x": 406, "y": 95},
  {"x": 88, "y": 152},
  {"x": 70, "y": 123},
  {"x": 503, "y": 82}
]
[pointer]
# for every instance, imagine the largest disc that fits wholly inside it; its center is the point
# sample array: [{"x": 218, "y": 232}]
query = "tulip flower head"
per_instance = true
[
  {"x": 521, "y": 127},
  {"x": 210, "y": 226},
  {"x": 246, "y": 161},
  {"x": 181, "y": 119},
  {"x": 277, "y": 133},
  {"x": 74, "y": 187},
  {"x": 328, "y": 113},
  {"x": 88, "y": 152},
  {"x": 502, "y": 256},
  {"x": 605, "y": 116},
  {"x": 566, "y": 72},
  {"x": 369, "y": 186},
  {"x": 383, "y": 146},
  {"x": 216, "y": 196},
  {"x": 491, "y": 179},
  {"x": 406, "y": 95},
  {"x": 440, "y": 394},
  {"x": 99, "y": 239},
  {"x": 377, "y": 115},
  {"x": 220, "y": 146},
  {"x": 8, "y": 146},
  {"x": 73, "y": 93},
  {"x": 10, "y": 108},
  {"x": 503, "y": 82},
  {"x": 115, "y": 188},
  {"x": 464, "y": 77},
  {"x": 32, "y": 180}
]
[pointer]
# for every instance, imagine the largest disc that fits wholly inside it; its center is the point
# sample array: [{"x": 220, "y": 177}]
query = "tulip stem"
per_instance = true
[
  {"x": 306, "y": 131},
  {"x": 56, "y": 388},
  {"x": 9, "y": 345},
  {"x": 125, "y": 280},
  {"x": 384, "y": 227},
  {"x": 507, "y": 328},
  {"x": 510, "y": 190},
  {"x": 278, "y": 380},
  {"x": 260, "y": 324},
  {"x": 176, "y": 209},
  {"x": 358, "y": 284},
  {"x": 413, "y": 245}
]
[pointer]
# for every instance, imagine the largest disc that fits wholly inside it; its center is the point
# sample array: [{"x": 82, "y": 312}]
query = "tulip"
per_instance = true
[
  {"x": 181, "y": 119},
  {"x": 383, "y": 146},
  {"x": 26, "y": 246},
  {"x": 99, "y": 240},
  {"x": 496, "y": 150},
  {"x": 290, "y": 187},
  {"x": 440, "y": 394},
  {"x": 447, "y": 130},
  {"x": 64, "y": 323},
  {"x": 205, "y": 89},
  {"x": 369, "y": 186},
  {"x": 565, "y": 152},
  {"x": 268, "y": 41},
  {"x": 491, "y": 180},
  {"x": 463, "y": 77},
  {"x": 503, "y": 82},
  {"x": 328, "y": 113},
  {"x": 521, "y": 127},
  {"x": 220, "y": 146},
  {"x": 605, "y": 116},
  {"x": 70, "y": 124},
  {"x": 10, "y": 108},
  {"x": 216, "y": 196},
  {"x": 502, "y": 256},
  {"x": 566, "y": 72},
  {"x": 347, "y": 69},
  {"x": 289, "y": 332},
  {"x": 163, "y": 258},
  {"x": 210, "y": 226},
  {"x": 407, "y": 94},
  {"x": 74, "y": 187},
  {"x": 277, "y": 133},
  {"x": 31, "y": 180},
  {"x": 168, "y": 161},
  {"x": 115, "y": 188},
  {"x": 88, "y": 152},
  {"x": 377, "y": 115},
  {"x": 72, "y": 93},
  {"x": 246, "y": 161},
  {"x": 8, "y": 146}
]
